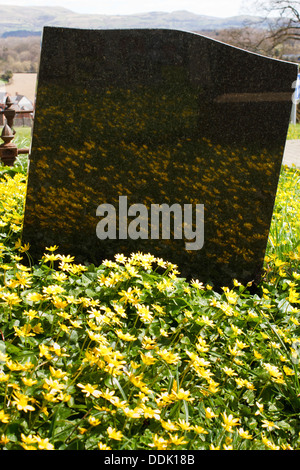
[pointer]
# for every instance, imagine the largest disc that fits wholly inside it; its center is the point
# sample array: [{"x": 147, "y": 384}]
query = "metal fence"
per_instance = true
[{"x": 9, "y": 150}]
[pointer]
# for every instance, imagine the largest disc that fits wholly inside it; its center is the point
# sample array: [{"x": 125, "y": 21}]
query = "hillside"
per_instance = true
[{"x": 33, "y": 19}]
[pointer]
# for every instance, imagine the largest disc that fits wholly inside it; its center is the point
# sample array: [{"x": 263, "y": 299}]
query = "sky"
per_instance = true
[{"x": 220, "y": 8}]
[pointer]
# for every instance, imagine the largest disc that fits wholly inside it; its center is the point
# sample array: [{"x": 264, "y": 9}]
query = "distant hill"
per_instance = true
[{"x": 16, "y": 20}]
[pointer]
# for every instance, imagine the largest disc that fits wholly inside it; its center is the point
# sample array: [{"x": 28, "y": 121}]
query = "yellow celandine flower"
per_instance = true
[
  {"x": 102, "y": 446},
  {"x": 244, "y": 434},
  {"x": 236, "y": 330},
  {"x": 165, "y": 285},
  {"x": 148, "y": 359},
  {"x": 93, "y": 421},
  {"x": 125, "y": 336},
  {"x": 64, "y": 328},
  {"x": 4, "y": 440},
  {"x": 31, "y": 314},
  {"x": 274, "y": 372},
  {"x": 134, "y": 365},
  {"x": 169, "y": 426},
  {"x": 202, "y": 345},
  {"x": 24, "y": 331},
  {"x": 269, "y": 443},
  {"x": 53, "y": 289},
  {"x": 82, "y": 430},
  {"x": 66, "y": 258},
  {"x": 240, "y": 344},
  {"x": 286, "y": 447},
  {"x": 294, "y": 320},
  {"x": 182, "y": 394},
  {"x": 34, "y": 297},
  {"x": 288, "y": 370},
  {"x": 235, "y": 351},
  {"x": 293, "y": 296},
  {"x": 114, "y": 434},
  {"x": 60, "y": 352},
  {"x": 210, "y": 414},
  {"x": 14, "y": 366},
  {"x": 50, "y": 257},
  {"x": 10, "y": 298},
  {"x": 231, "y": 296},
  {"x": 176, "y": 440},
  {"x": 229, "y": 371},
  {"x": 197, "y": 284},
  {"x": 213, "y": 386},
  {"x": 29, "y": 382},
  {"x": 275, "y": 345},
  {"x": 53, "y": 385},
  {"x": 58, "y": 302},
  {"x": 244, "y": 383},
  {"x": 23, "y": 280},
  {"x": 59, "y": 276},
  {"x": 129, "y": 296},
  {"x": 30, "y": 439},
  {"x": 212, "y": 447},
  {"x": 52, "y": 248},
  {"x": 205, "y": 319},
  {"x": 44, "y": 444},
  {"x": 184, "y": 425},
  {"x": 4, "y": 417},
  {"x": 133, "y": 413},
  {"x": 3, "y": 377},
  {"x": 159, "y": 442},
  {"x": 164, "y": 399},
  {"x": 75, "y": 324},
  {"x": 148, "y": 343},
  {"x": 229, "y": 422},
  {"x": 269, "y": 425},
  {"x": 109, "y": 395},
  {"x": 163, "y": 332},
  {"x": 168, "y": 356},
  {"x": 199, "y": 429},
  {"x": 120, "y": 258},
  {"x": 44, "y": 351},
  {"x": 257, "y": 355},
  {"x": 260, "y": 407},
  {"x": 22, "y": 402},
  {"x": 144, "y": 313},
  {"x": 159, "y": 309},
  {"x": 89, "y": 389},
  {"x": 150, "y": 412},
  {"x": 119, "y": 309}
]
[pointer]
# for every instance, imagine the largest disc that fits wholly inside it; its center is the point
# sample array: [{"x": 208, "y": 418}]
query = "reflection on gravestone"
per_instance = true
[{"x": 141, "y": 118}]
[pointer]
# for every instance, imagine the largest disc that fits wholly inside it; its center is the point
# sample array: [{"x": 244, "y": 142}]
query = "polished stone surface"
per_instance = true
[{"x": 159, "y": 116}]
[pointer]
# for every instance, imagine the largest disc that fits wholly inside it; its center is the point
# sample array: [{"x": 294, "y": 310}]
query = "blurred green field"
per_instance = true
[{"x": 294, "y": 131}]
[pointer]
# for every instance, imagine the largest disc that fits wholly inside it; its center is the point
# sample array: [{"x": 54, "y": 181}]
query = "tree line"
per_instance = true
[{"x": 19, "y": 55}]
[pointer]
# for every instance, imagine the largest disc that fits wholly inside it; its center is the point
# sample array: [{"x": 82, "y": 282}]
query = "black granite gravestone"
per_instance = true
[{"x": 133, "y": 125}]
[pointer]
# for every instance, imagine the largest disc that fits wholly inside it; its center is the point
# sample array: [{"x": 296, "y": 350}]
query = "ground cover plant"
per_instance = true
[
  {"x": 128, "y": 355},
  {"x": 294, "y": 131}
]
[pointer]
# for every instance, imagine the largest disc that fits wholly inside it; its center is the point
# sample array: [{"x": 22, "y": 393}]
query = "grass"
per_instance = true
[
  {"x": 294, "y": 131},
  {"x": 128, "y": 355}
]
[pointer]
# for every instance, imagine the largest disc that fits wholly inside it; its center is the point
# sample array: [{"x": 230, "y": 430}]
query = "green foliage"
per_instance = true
[
  {"x": 294, "y": 131},
  {"x": 7, "y": 76},
  {"x": 128, "y": 355}
]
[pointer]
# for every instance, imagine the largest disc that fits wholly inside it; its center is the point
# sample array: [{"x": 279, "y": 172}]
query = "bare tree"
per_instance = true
[{"x": 282, "y": 18}]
